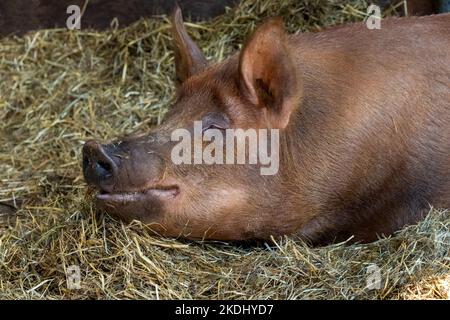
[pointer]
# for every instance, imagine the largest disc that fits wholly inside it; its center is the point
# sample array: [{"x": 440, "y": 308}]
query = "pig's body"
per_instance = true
[
  {"x": 364, "y": 119},
  {"x": 371, "y": 140}
]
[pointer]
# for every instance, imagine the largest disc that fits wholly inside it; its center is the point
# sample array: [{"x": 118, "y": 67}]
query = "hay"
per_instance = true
[{"x": 59, "y": 88}]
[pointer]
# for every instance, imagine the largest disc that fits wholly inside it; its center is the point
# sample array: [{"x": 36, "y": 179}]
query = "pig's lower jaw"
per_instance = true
[{"x": 124, "y": 197}]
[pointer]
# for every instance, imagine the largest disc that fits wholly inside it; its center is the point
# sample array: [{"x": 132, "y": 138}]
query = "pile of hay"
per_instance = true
[{"x": 58, "y": 88}]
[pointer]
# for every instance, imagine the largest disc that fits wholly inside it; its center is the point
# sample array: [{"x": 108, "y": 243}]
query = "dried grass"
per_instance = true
[{"x": 59, "y": 88}]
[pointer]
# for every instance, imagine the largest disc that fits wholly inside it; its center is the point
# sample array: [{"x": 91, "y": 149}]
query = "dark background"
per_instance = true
[{"x": 20, "y": 16}]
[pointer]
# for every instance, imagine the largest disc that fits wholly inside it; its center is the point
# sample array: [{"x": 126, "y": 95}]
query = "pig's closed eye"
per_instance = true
[{"x": 215, "y": 121}]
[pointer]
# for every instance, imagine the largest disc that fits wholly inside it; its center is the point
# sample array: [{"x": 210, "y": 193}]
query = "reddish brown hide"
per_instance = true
[{"x": 364, "y": 120}]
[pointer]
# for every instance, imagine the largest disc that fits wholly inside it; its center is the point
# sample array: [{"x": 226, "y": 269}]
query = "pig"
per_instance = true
[{"x": 363, "y": 118}]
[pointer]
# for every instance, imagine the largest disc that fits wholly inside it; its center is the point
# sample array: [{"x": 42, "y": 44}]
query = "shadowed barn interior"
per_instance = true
[
  {"x": 17, "y": 17},
  {"x": 20, "y": 16}
]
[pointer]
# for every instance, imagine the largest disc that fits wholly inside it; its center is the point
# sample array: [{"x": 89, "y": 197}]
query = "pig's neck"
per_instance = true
[{"x": 305, "y": 155}]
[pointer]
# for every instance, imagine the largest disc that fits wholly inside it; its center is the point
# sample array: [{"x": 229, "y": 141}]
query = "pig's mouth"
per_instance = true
[{"x": 159, "y": 192}]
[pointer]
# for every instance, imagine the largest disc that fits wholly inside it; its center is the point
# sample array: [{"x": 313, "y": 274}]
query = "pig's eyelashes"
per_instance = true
[{"x": 212, "y": 127}]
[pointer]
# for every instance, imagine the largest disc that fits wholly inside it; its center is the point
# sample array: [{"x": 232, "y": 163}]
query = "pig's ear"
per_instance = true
[
  {"x": 189, "y": 59},
  {"x": 268, "y": 77}
]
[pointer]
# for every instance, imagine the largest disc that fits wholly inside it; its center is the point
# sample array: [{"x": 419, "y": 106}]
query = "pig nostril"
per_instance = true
[
  {"x": 104, "y": 169},
  {"x": 85, "y": 162}
]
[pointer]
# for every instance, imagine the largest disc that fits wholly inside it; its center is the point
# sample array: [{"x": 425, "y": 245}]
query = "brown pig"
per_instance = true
[{"x": 363, "y": 118}]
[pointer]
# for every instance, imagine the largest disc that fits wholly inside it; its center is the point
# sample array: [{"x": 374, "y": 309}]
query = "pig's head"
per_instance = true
[{"x": 136, "y": 177}]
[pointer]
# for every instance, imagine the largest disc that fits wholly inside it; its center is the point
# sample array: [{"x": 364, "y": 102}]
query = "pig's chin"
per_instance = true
[{"x": 147, "y": 206}]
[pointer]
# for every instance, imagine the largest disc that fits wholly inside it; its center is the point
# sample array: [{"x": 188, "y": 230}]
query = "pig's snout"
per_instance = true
[
  {"x": 99, "y": 165},
  {"x": 126, "y": 166}
]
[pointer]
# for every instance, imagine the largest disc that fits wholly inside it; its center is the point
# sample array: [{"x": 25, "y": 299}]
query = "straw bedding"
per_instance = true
[{"x": 59, "y": 88}]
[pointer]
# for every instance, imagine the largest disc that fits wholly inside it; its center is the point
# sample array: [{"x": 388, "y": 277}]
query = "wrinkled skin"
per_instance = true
[{"x": 343, "y": 172}]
